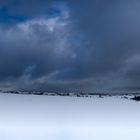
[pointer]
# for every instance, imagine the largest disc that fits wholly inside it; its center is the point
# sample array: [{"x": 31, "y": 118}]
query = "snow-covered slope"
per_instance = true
[{"x": 29, "y": 117}]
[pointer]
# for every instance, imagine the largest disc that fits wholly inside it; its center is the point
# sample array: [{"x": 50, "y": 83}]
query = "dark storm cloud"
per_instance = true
[{"x": 70, "y": 45}]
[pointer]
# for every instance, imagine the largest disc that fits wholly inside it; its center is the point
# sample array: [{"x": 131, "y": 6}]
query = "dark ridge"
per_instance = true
[{"x": 136, "y": 98}]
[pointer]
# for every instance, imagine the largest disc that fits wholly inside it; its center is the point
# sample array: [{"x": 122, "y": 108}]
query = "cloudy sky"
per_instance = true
[{"x": 70, "y": 45}]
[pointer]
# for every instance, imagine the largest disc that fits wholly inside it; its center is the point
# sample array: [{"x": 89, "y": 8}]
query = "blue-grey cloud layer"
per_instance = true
[{"x": 71, "y": 45}]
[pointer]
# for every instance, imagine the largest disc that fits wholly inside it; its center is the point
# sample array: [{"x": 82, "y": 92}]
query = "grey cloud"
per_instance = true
[{"x": 97, "y": 47}]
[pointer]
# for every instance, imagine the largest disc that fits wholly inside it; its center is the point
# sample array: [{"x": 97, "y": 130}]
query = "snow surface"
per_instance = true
[{"x": 31, "y": 117}]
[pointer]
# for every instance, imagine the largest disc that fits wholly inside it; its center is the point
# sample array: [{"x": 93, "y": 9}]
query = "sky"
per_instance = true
[{"x": 70, "y": 45}]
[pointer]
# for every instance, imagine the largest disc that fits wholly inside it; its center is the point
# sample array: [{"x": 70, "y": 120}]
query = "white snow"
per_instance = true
[{"x": 31, "y": 117}]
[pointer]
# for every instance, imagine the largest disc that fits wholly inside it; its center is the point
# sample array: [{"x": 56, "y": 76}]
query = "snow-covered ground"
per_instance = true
[{"x": 31, "y": 117}]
